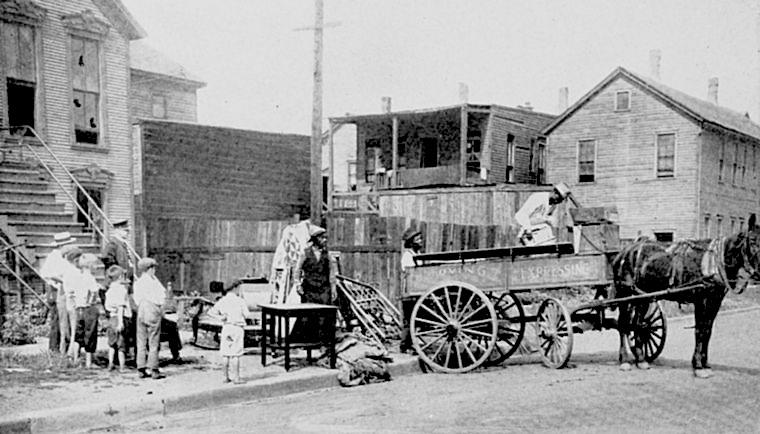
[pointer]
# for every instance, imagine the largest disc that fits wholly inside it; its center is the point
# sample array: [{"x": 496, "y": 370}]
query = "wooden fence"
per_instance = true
[{"x": 193, "y": 252}]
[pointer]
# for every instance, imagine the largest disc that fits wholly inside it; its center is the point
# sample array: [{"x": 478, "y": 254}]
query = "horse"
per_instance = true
[{"x": 698, "y": 272}]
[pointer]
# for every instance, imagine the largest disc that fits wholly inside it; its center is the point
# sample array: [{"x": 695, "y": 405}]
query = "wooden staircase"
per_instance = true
[{"x": 30, "y": 213}]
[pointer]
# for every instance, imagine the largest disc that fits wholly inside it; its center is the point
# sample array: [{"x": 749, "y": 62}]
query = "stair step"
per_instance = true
[
  {"x": 21, "y": 195},
  {"x": 39, "y": 216},
  {"x": 42, "y": 239},
  {"x": 14, "y": 174},
  {"x": 45, "y": 226},
  {"x": 42, "y": 250},
  {"x": 30, "y": 204},
  {"x": 22, "y": 184}
]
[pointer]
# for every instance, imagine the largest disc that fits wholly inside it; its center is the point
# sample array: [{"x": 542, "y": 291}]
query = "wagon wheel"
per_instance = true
[
  {"x": 453, "y": 327},
  {"x": 511, "y": 318},
  {"x": 650, "y": 332},
  {"x": 555, "y": 333}
]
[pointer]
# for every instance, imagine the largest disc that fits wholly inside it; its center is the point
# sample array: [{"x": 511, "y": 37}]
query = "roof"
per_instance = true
[
  {"x": 143, "y": 57},
  {"x": 118, "y": 14},
  {"x": 700, "y": 111},
  {"x": 545, "y": 117}
]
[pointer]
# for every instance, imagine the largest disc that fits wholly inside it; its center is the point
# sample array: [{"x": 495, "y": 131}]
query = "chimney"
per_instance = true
[
  {"x": 526, "y": 106},
  {"x": 712, "y": 90},
  {"x": 564, "y": 92},
  {"x": 464, "y": 93},
  {"x": 386, "y": 104},
  {"x": 655, "y": 56}
]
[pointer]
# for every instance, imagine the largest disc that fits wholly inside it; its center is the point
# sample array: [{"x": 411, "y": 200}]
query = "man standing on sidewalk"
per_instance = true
[
  {"x": 149, "y": 296},
  {"x": 53, "y": 270}
]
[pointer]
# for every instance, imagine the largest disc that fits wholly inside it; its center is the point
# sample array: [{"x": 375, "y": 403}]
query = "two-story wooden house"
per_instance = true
[
  {"x": 467, "y": 148},
  {"x": 675, "y": 166},
  {"x": 64, "y": 68}
]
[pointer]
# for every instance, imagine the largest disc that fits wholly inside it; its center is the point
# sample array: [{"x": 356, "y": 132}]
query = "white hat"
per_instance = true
[
  {"x": 562, "y": 189},
  {"x": 62, "y": 238},
  {"x": 315, "y": 230}
]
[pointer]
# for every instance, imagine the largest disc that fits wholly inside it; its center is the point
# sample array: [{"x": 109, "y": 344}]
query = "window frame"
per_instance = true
[
  {"x": 31, "y": 18},
  {"x": 617, "y": 101},
  {"x": 86, "y": 91},
  {"x": 163, "y": 103},
  {"x": 657, "y": 136},
  {"x": 511, "y": 158},
  {"x": 578, "y": 160}
]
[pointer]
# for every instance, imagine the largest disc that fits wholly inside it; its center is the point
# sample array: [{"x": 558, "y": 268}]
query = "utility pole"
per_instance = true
[{"x": 316, "y": 199}]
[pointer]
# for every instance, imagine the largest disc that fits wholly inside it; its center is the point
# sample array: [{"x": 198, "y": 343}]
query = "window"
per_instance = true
[
  {"x": 741, "y": 224},
  {"x": 666, "y": 149},
  {"x": 158, "y": 106},
  {"x": 744, "y": 165},
  {"x": 721, "y": 160},
  {"x": 706, "y": 227},
  {"x": 401, "y": 155},
  {"x": 754, "y": 166},
  {"x": 19, "y": 58},
  {"x": 511, "y": 151},
  {"x": 429, "y": 152},
  {"x": 664, "y": 237},
  {"x": 541, "y": 164},
  {"x": 733, "y": 226},
  {"x": 473, "y": 154},
  {"x": 586, "y": 160},
  {"x": 352, "y": 175},
  {"x": 371, "y": 160},
  {"x": 85, "y": 84},
  {"x": 622, "y": 100},
  {"x": 736, "y": 164},
  {"x": 718, "y": 226}
]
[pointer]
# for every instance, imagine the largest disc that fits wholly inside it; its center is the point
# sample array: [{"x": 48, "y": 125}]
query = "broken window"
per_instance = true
[
  {"x": 21, "y": 72},
  {"x": 85, "y": 84}
]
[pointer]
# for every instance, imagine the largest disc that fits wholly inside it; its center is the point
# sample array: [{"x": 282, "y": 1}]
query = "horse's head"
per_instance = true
[{"x": 752, "y": 249}]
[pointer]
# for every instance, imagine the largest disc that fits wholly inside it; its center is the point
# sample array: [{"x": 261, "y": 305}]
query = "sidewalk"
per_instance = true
[{"x": 104, "y": 399}]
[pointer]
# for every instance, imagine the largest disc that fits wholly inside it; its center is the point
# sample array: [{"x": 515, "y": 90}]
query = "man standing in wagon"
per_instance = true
[{"x": 539, "y": 217}]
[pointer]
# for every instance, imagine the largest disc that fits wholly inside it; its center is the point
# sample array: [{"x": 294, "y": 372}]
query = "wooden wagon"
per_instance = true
[{"x": 468, "y": 310}]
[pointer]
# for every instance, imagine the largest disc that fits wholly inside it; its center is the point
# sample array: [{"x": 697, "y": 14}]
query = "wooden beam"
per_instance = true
[
  {"x": 394, "y": 163},
  {"x": 463, "y": 144},
  {"x": 331, "y": 179}
]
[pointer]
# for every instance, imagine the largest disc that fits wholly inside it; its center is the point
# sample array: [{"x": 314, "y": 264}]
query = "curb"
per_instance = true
[{"x": 89, "y": 417}]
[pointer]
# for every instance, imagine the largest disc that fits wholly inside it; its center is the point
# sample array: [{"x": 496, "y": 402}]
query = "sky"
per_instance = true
[{"x": 257, "y": 56}]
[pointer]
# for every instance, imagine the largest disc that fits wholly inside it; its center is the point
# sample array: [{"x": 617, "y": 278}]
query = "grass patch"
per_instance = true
[{"x": 43, "y": 367}]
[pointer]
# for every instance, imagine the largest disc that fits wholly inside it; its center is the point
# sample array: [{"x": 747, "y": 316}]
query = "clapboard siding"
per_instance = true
[
  {"x": 181, "y": 100},
  {"x": 625, "y": 174},
  {"x": 727, "y": 198},
  {"x": 56, "y": 123},
  {"x": 222, "y": 173}
]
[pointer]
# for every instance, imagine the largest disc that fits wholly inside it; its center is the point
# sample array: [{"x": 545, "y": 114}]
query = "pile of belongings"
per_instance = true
[{"x": 361, "y": 360}]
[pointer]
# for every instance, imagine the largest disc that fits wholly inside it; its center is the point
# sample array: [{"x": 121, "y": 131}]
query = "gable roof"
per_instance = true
[
  {"x": 143, "y": 57},
  {"x": 698, "y": 110},
  {"x": 118, "y": 14}
]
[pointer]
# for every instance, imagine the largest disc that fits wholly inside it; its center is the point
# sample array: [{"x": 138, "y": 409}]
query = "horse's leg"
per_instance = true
[
  {"x": 712, "y": 306},
  {"x": 639, "y": 312},
  {"x": 700, "y": 332},
  {"x": 623, "y": 326}
]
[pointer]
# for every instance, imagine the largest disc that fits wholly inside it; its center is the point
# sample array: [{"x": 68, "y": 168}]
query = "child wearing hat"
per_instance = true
[
  {"x": 119, "y": 310},
  {"x": 233, "y": 311},
  {"x": 85, "y": 289}
]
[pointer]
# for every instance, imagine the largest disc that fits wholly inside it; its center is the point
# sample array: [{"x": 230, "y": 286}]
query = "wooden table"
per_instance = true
[{"x": 279, "y": 335}]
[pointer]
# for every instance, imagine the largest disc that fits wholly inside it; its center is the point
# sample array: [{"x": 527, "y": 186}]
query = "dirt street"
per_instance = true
[{"x": 591, "y": 396}]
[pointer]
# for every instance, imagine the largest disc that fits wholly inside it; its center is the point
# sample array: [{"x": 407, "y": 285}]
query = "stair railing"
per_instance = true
[
  {"x": 71, "y": 177},
  {"x": 12, "y": 247}
]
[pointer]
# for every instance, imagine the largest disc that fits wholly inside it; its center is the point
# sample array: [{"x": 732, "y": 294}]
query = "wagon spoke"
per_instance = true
[
  {"x": 447, "y": 314},
  {"x": 448, "y": 303},
  {"x": 448, "y": 355},
  {"x": 443, "y": 320},
  {"x": 458, "y": 353},
  {"x": 477, "y": 322},
  {"x": 456, "y": 306},
  {"x": 469, "y": 315},
  {"x": 424, "y": 347},
  {"x": 469, "y": 351},
  {"x": 427, "y": 321},
  {"x": 476, "y": 332},
  {"x": 431, "y": 331},
  {"x": 464, "y": 307},
  {"x": 438, "y": 351}
]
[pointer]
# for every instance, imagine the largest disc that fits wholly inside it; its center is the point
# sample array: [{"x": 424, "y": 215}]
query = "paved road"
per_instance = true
[{"x": 591, "y": 396}]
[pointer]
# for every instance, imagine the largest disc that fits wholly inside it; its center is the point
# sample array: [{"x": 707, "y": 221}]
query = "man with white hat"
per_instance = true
[
  {"x": 539, "y": 216},
  {"x": 53, "y": 270}
]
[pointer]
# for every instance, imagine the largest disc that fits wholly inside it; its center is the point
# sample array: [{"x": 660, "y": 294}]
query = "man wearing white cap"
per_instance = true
[
  {"x": 53, "y": 270},
  {"x": 539, "y": 216}
]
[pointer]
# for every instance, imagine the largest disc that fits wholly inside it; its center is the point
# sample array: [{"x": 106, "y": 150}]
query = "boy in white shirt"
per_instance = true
[
  {"x": 119, "y": 315},
  {"x": 233, "y": 311}
]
